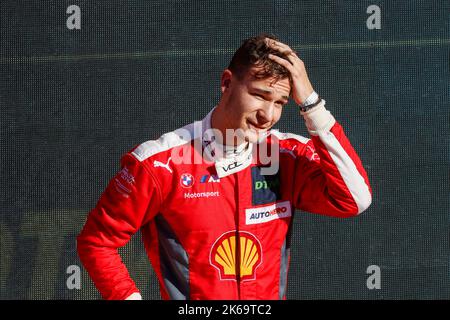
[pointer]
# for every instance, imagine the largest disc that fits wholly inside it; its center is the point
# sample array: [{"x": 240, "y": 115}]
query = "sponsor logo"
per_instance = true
[
  {"x": 231, "y": 166},
  {"x": 209, "y": 178},
  {"x": 122, "y": 181},
  {"x": 311, "y": 154},
  {"x": 120, "y": 187},
  {"x": 157, "y": 164},
  {"x": 270, "y": 184},
  {"x": 225, "y": 168},
  {"x": 228, "y": 261},
  {"x": 290, "y": 152},
  {"x": 265, "y": 188},
  {"x": 268, "y": 213},
  {"x": 126, "y": 176},
  {"x": 186, "y": 180},
  {"x": 193, "y": 195}
]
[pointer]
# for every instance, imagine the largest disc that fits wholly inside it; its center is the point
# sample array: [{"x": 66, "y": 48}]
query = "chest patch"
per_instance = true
[
  {"x": 265, "y": 188},
  {"x": 268, "y": 213}
]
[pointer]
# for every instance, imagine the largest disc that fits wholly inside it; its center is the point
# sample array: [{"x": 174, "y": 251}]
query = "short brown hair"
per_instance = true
[{"x": 254, "y": 53}]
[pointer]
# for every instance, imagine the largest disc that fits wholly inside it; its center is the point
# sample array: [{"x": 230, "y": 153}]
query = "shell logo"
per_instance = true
[{"x": 225, "y": 257}]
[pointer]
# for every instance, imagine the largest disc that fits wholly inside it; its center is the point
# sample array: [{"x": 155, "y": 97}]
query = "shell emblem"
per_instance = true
[{"x": 231, "y": 257}]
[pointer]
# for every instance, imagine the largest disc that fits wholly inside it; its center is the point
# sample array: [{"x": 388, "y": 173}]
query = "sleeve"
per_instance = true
[
  {"x": 329, "y": 176},
  {"x": 131, "y": 199}
]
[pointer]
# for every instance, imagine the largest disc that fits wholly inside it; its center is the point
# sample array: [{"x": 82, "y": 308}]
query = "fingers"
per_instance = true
[
  {"x": 285, "y": 63},
  {"x": 301, "y": 86},
  {"x": 281, "y": 47},
  {"x": 277, "y": 44},
  {"x": 291, "y": 56}
]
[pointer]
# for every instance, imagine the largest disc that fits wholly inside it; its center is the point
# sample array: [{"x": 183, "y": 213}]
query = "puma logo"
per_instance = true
[
  {"x": 290, "y": 152},
  {"x": 157, "y": 164}
]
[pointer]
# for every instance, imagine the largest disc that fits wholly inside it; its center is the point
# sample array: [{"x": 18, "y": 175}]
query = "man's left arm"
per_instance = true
[{"x": 329, "y": 176}]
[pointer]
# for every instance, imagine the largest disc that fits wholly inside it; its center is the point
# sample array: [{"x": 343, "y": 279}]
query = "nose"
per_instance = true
[{"x": 265, "y": 114}]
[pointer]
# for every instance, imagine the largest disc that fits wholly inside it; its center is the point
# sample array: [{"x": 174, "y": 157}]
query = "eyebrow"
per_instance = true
[{"x": 269, "y": 92}]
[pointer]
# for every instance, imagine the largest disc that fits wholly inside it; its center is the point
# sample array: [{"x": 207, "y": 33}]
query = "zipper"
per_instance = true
[{"x": 238, "y": 241}]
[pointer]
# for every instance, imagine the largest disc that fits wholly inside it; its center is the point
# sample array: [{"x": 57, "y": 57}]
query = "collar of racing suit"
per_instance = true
[{"x": 227, "y": 159}]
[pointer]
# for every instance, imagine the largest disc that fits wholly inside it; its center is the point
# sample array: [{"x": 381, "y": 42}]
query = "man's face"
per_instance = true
[{"x": 254, "y": 105}]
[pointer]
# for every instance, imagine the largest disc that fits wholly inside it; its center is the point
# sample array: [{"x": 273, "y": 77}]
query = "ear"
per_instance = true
[{"x": 225, "y": 81}]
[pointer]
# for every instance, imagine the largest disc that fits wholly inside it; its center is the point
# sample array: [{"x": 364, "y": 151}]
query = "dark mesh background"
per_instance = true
[{"x": 72, "y": 102}]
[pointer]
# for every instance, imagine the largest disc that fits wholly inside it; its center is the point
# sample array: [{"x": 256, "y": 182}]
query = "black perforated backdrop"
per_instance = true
[{"x": 73, "y": 101}]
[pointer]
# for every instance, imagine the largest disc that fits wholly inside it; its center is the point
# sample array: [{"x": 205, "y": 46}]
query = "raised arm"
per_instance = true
[{"x": 330, "y": 178}]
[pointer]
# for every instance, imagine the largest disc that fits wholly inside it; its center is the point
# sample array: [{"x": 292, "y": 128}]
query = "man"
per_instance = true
[{"x": 219, "y": 228}]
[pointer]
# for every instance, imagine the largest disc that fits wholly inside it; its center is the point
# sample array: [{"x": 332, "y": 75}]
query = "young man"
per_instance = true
[{"x": 219, "y": 228}]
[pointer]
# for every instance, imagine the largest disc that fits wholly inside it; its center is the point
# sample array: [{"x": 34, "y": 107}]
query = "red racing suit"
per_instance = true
[{"x": 219, "y": 229}]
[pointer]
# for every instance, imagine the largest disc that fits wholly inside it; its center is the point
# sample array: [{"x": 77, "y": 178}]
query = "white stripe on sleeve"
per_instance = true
[{"x": 347, "y": 168}]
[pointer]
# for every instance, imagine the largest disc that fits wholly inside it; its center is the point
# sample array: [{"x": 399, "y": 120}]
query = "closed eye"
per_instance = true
[
  {"x": 279, "y": 103},
  {"x": 259, "y": 96}
]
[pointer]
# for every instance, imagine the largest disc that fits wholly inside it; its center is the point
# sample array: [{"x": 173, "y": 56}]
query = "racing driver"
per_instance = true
[{"x": 215, "y": 221}]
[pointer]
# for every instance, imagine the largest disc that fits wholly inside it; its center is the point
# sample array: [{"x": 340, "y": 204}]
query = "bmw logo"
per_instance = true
[{"x": 186, "y": 180}]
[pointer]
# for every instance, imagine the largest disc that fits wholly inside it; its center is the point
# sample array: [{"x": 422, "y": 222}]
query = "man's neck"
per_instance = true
[{"x": 219, "y": 122}]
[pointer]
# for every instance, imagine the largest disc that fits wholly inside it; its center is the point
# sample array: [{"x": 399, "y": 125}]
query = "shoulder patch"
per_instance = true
[
  {"x": 285, "y": 136},
  {"x": 166, "y": 142}
]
